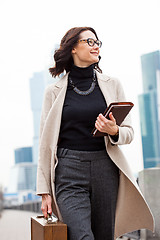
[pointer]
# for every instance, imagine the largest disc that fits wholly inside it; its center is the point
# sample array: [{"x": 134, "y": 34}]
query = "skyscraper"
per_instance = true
[
  {"x": 149, "y": 107},
  {"x": 23, "y": 154},
  {"x": 23, "y": 173},
  {"x": 38, "y": 83},
  {"x": 22, "y": 177}
]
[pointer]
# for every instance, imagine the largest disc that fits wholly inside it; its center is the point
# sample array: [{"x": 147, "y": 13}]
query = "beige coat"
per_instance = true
[{"x": 132, "y": 212}]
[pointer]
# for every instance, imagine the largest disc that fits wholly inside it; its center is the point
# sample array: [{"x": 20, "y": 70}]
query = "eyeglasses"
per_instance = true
[{"x": 91, "y": 42}]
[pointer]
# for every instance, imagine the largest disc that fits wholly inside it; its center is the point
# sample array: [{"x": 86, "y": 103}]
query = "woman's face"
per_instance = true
[{"x": 83, "y": 54}]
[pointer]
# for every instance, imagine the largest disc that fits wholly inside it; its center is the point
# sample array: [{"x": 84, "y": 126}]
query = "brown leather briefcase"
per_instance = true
[{"x": 40, "y": 230}]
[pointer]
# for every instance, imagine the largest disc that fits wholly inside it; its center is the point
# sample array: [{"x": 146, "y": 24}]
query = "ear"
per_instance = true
[{"x": 73, "y": 50}]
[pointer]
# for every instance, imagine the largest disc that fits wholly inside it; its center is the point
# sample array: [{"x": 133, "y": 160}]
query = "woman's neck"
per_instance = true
[{"x": 82, "y": 72}]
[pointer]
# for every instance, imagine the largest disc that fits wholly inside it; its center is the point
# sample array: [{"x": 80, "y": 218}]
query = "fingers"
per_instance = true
[
  {"x": 101, "y": 117},
  {"x": 112, "y": 117},
  {"x": 98, "y": 126},
  {"x": 44, "y": 209},
  {"x": 49, "y": 201},
  {"x": 49, "y": 209},
  {"x": 101, "y": 120},
  {"x": 104, "y": 120},
  {"x": 46, "y": 205},
  {"x": 106, "y": 125}
]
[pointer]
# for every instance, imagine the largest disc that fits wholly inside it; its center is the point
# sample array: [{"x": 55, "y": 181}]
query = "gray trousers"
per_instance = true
[{"x": 86, "y": 186}]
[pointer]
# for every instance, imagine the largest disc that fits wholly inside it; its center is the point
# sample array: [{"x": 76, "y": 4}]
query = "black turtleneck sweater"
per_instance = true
[{"x": 80, "y": 113}]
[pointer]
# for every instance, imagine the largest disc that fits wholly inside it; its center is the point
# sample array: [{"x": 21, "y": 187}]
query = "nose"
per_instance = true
[{"x": 96, "y": 46}]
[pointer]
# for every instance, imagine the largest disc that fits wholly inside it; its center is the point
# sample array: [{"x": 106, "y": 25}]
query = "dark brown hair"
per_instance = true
[{"x": 62, "y": 56}]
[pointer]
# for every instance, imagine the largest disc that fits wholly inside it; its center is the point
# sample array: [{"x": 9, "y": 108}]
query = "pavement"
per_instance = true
[{"x": 15, "y": 225}]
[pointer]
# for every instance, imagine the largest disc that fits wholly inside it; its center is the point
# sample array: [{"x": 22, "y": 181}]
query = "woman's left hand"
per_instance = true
[{"x": 105, "y": 125}]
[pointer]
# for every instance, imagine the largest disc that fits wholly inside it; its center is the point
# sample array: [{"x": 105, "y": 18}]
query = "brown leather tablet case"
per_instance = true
[{"x": 119, "y": 110}]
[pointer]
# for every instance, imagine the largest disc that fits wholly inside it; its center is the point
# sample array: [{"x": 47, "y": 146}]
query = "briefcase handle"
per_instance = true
[{"x": 51, "y": 218}]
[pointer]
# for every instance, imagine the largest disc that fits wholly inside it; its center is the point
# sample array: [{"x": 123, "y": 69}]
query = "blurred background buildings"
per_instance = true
[
  {"x": 22, "y": 183},
  {"x": 149, "y": 109}
]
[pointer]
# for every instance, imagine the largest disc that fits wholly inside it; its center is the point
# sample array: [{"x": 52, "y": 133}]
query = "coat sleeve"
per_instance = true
[
  {"x": 126, "y": 132},
  {"x": 43, "y": 185},
  {"x": 46, "y": 106}
]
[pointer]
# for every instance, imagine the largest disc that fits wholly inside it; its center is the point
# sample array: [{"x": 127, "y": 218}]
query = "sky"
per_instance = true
[{"x": 30, "y": 29}]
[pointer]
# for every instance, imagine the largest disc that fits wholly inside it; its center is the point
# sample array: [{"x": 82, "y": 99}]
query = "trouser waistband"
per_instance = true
[{"x": 81, "y": 155}]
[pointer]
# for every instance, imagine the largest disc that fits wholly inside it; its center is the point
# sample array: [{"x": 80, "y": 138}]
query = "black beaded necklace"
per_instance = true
[{"x": 87, "y": 92}]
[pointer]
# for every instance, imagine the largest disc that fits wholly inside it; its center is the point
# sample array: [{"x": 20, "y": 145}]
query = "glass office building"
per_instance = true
[
  {"x": 23, "y": 173},
  {"x": 23, "y": 154},
  {"x": 22, "y": 177},
  {"x": 38, "y": 83},
  {"x": 149, "y": 109}
]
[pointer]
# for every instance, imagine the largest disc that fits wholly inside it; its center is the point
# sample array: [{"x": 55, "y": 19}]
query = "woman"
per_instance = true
[{"x": 87, "y": 179}]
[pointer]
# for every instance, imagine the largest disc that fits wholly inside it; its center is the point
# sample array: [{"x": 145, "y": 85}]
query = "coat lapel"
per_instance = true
[
  {"x": 106, "y": 90},
  {"x": 53, "y": 121}
]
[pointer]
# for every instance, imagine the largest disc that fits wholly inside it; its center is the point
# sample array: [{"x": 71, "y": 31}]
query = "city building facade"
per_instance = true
[
  {"x": 38, "y": 83},
  {"x": 22, "y": 184},
  {"x": 23, "y": 154},
  {"x": 149, "y": 108}
]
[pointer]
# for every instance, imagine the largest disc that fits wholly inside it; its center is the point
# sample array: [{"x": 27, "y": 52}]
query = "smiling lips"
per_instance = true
[{"x": 95, "y": 53}]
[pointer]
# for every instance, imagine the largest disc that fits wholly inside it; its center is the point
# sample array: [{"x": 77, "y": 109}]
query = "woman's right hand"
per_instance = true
[{"x": 46, "y": 204}]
